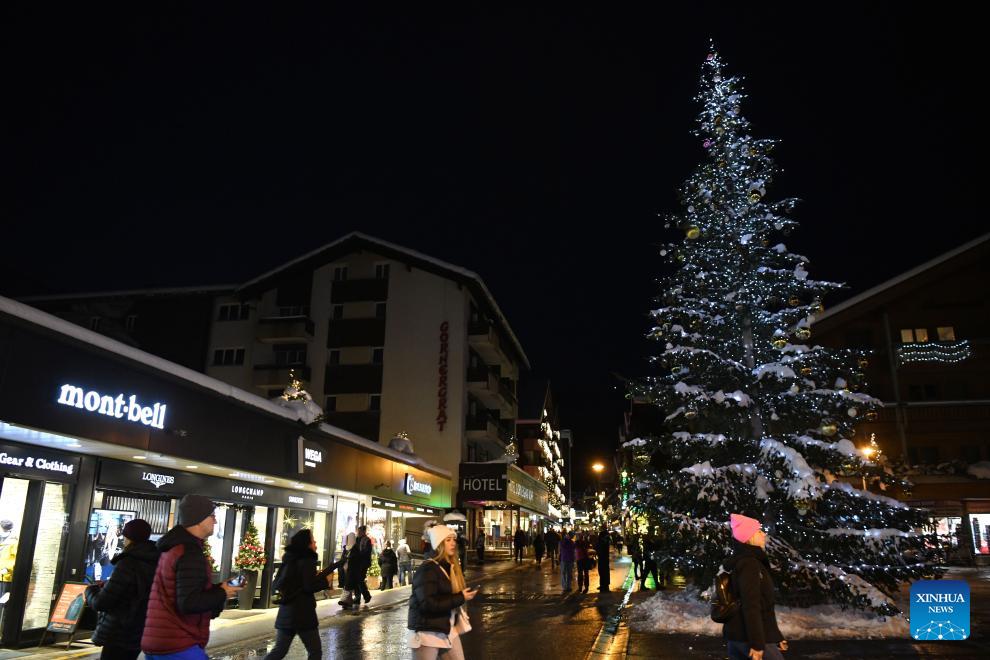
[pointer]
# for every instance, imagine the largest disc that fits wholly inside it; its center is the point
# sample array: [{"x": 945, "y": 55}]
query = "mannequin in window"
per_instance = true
[{"x": 8, "y": 555}]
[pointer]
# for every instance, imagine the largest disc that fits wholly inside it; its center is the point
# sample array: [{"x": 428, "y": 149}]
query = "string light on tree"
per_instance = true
[{"x": 752, "y": 422}]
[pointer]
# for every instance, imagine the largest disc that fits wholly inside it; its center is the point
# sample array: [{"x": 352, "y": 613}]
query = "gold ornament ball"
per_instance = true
[
  {"x": 719, "y": 131},
  {"x": 871, "y": 416},
  {"x": 690, "y": 414},
  {"x": 802, "y": 333},
  {"x": 829, "y": 429},
  {"x": 753, "y": 151},
  {"x": 718, "y": 120},
  {"x": 754, "y": 197},
  {"x": 817, "y": 308},
  {"x": 863, "y": 363},
  {"x": 780, "y": 342},
  {"x": 793, "y": 301},
  {"x": 693, "y": 232},
  {"x": 805, "y": 371}
]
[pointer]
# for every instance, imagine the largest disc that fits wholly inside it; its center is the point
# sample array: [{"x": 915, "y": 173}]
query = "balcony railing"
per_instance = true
[
  {"x": 275, "y": 375},
  {"x": 281, "y": 329}
]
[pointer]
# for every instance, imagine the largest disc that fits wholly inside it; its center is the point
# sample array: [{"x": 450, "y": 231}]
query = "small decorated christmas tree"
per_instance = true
[
  {"x": 209, "y": 558},
  {"x": 250, "y": 554}
]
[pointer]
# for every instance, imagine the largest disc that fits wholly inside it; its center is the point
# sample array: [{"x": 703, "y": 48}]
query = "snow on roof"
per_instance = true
[
  {"x": 45, "y": 320},
  {"x": 463, "y": 272},
  {"x": 903, "y": 277},
  {"x": 168, "y": 291}
]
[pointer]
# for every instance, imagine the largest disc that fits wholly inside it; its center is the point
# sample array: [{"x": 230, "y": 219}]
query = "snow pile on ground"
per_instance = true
[
  {"x": 979, "y": 470},
  {"x": 685, "y": 612}
]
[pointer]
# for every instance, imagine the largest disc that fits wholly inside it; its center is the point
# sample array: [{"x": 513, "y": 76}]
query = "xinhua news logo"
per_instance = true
[{"x": 939, "y": 610}]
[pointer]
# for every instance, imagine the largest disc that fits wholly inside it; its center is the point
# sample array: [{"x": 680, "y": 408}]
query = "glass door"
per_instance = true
[{"x": 53, "y": 528}]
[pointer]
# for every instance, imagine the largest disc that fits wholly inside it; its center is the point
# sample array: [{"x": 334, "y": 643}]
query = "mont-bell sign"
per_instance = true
[{"x": 118, "y": 406}]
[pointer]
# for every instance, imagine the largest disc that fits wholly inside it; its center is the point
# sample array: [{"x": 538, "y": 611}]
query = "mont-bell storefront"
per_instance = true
[{"x": 94, "y": 433}]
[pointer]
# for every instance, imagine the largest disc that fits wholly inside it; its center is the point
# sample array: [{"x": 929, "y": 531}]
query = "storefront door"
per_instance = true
[{"x": 34, "y": 526}]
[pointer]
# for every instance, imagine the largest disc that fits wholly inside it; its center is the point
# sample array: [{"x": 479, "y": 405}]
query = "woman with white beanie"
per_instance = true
[
  {"x": 753, "y": 631},
  {"x": 437, "y": 616}
]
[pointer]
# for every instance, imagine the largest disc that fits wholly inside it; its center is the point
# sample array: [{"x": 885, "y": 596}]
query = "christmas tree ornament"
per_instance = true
[
  {"x": 693, "y": 232},
  {"x": 852, "y": 412},
  {"x": 829, "y": 429},
  {"x": 863, "y": 363},
  {"x": 754, "y": 197},
  {"x": 803, "y": 333},
  {"x": 793, "y": 301},
  {"x": 690, "y": 414},
  {"x": 871, "y": 416},
  {"x": 806, "y": 371},
  {"x": 779, "y": 342}
]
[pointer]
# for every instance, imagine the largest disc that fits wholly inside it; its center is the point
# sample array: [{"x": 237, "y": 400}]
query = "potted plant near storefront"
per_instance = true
[{"x": 249, "y": 561}]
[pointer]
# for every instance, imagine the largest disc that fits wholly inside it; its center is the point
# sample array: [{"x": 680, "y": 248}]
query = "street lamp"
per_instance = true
[{"x": 867, "y": 453}]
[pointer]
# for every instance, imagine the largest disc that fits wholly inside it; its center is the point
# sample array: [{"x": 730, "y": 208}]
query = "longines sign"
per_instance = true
[{"x": 117, "y": 407}]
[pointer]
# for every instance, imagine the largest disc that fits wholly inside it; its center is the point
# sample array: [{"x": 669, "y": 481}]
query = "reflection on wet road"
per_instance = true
[{"x": 519, "y": 613}]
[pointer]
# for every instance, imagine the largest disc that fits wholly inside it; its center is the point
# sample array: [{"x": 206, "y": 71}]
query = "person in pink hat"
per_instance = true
[{"x": 753, "y": 631}]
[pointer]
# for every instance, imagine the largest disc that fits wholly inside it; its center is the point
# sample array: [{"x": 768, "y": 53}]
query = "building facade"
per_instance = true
[
  {"x": 539, "y": 443},
  {"x": 94, "y": 432},
  {"x": 929, "y": 334}
]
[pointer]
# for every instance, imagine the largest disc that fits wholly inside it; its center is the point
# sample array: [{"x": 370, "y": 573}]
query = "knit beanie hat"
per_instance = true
[
  {"x": 438, "y": 533},
  {"x": 194, "y": 509},
  {"x": 137, "y": 530},
  {"x": 743, "y": 527}
]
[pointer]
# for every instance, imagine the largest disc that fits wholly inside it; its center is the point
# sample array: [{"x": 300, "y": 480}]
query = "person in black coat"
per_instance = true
[
  {"x": 389, "y": 563},
  {"x": 753, "y": 631},
  {"x": 538, "y": 548},
  {"x": 438, "y": 595},
  {"x": 358, "y": 563},
  {"x": 298, "y": 582},
  {"x": 121, "y": 602},
  {"x": 519, "y": 543},
  {"x": 602, "y": 546}
]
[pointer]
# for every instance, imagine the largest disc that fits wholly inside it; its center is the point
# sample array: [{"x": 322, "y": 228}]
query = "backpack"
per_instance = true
[{"x": 725, "y": 605}]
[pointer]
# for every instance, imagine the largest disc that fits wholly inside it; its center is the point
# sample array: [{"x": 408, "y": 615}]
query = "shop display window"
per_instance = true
[
  {"x": 980, "y": 523},
  {"x": 13, "y": 495},
  {"x": 347, "y": 514}
]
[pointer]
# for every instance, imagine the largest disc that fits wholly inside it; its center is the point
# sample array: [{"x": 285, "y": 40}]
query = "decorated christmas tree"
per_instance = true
[
  {"x": 250, "y": 553},
  {"x": 758, "y": 419},
  {"x": 209, "y": 557}
]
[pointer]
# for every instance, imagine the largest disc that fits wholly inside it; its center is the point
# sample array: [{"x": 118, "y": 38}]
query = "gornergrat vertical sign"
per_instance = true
[{"x": 442, "y": 375}]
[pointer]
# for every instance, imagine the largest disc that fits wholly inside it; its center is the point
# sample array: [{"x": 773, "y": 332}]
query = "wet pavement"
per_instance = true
[{"x": 520, "y": 612}]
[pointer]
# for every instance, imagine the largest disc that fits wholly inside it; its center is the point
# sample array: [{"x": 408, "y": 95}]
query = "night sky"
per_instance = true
[{"x": 533, "y": 148}]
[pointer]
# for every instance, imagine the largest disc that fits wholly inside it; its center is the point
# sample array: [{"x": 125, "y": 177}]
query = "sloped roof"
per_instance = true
[
  {"x": 355, "y": 241},
  {"x": 212, "y": 289},
  {"x": 903, "y": 277}
]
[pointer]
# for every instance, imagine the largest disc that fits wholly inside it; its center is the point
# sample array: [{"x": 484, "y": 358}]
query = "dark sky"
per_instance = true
[{"x": 534, "y": 148}]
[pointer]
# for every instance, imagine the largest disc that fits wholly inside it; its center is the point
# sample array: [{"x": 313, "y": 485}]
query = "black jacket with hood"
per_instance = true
[
  {"x": 432, "y": 598},
  {"x": 298, "y": 582},
  {"x": 122, "y": 603},
  {"x": 756, "y": 622}
]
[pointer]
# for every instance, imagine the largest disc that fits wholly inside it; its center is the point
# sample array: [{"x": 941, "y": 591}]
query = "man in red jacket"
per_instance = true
[{"x": 183, "y": 597}]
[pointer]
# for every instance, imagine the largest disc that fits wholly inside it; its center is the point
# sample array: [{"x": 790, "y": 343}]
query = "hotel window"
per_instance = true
[
  {"x": 286, "y": 354},
  {"x": 339, "y": 273},
  {"x": 130, "y": 322},
  {"x": 375, "y": 402},
  {"x": 224, "y": 357},
  {"x": 381, "y": 271},
  {"x": 338, "y": 312},
  {"x": 920, "y": 335},
  {"x": 233, "y": 312},
  {"x": 377, "y": 355},
  {"x": 946, "y": 333},
  {"x": 331, "y": 404},
  {"x": 379, "y": 310},
  {"x": 94, "y": 323},
  {"x": 907, "y": 336}
]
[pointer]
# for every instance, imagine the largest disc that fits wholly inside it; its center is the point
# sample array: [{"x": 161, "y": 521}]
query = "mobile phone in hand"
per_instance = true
[{"x": 237, "y": 581}]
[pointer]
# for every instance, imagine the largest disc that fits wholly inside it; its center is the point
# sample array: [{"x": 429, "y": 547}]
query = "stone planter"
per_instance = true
[{"x": 245, "y": 598}]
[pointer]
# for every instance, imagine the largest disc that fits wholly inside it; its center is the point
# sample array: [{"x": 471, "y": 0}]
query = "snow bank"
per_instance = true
[
  {"x": 685, "y": 612},
  {"x": 979, "y": 470}
]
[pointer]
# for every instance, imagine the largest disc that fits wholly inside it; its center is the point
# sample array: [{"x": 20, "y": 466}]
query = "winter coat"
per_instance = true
[
  {"x": 389, "y": 562},
  {"x": 404, "y": 554},
  {"x": 298, "y": 581},
  {"x": 122, "y": 603},
  {"x": 602, "y": 549},
  {"x": 183, "y": 598},
  {"x": 552, "y": 540},
  {"x": 432, "y": 599},
  {"x": 480, "y": 541},
  {"x": 566, "y": 550},
  {"x": 756, "y": 621},
  {"x": 538, "y": 546},
  {"x": 581, "y": 550},
  {"x": 519, "y": 540},
  {"x": 358, "y": 562}
]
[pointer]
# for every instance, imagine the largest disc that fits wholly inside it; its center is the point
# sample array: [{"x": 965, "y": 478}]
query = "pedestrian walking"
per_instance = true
[
  {"x": 461, "y": 548},
  {"x": 583, "y": 560},
  {"x": 636, "y": 554},
  {"x": 479, "y": 546},
  {"x": 437, "y": 614},
  {"x": 567, "y": 560},
  {"x": 183, "y": 599},
  {"x": 538, "y": 549},
  {"x": 753, "y": 631},
  {"x": 604, "y": 570},
  {"x": 121, "y": 602},
  {"x": 298, "y": 581},
  {"x": 649, "y": 562},
  {"x": 358, "y": 563},
  {"x": 388, "y": 561},
  {"x": 552, "y": 541},
  {"x": 404, "y": 556},
  {"x": 348, "y": 598},
  {"x": 519, "y": 543}
]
